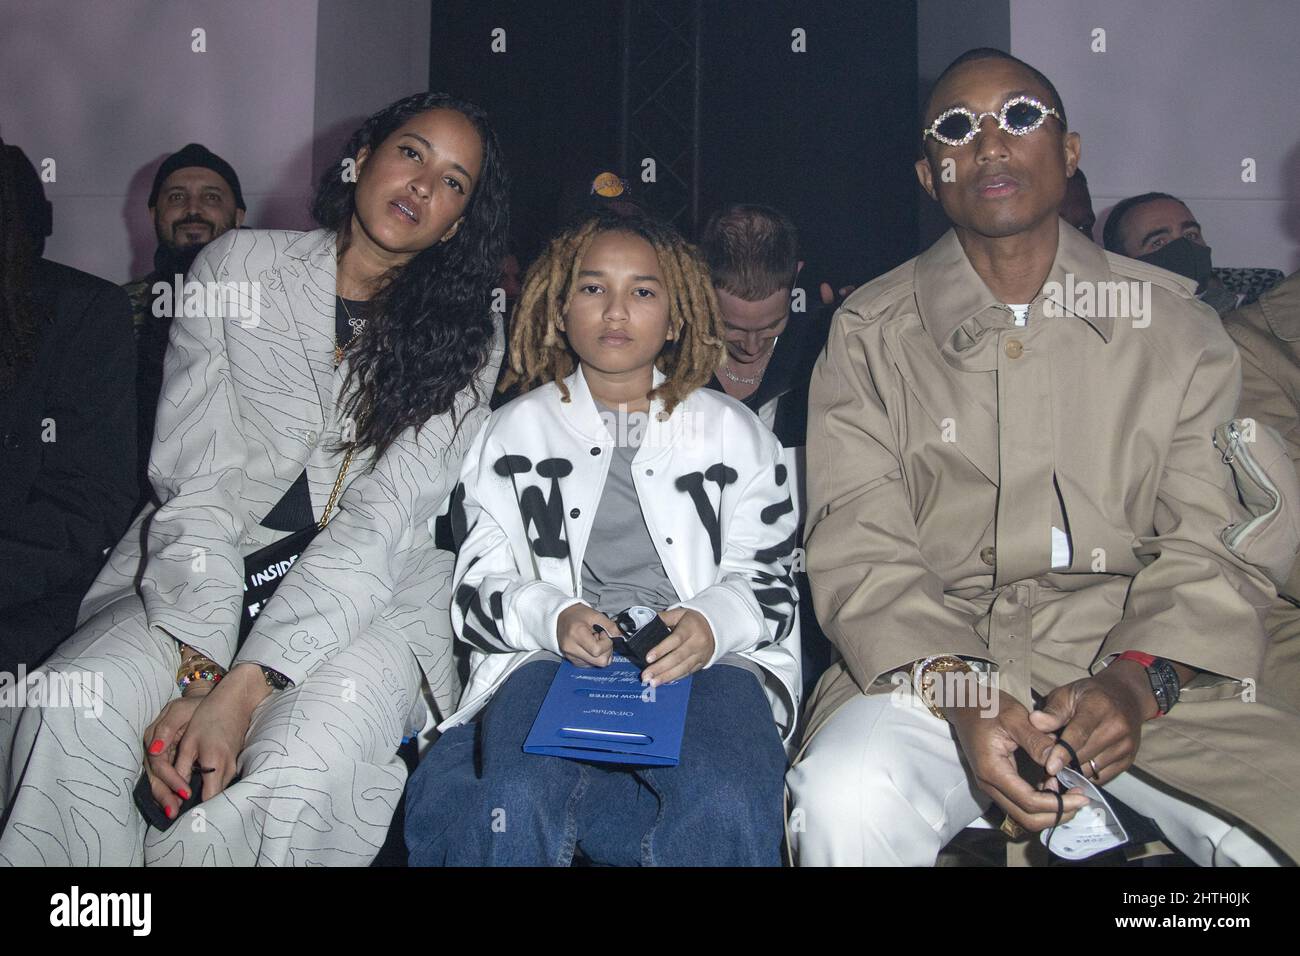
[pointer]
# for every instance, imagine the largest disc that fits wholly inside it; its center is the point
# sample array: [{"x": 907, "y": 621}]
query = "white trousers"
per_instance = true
[
  {"x": 885, "y": 784},
  {"x": 320, "y": 775}
]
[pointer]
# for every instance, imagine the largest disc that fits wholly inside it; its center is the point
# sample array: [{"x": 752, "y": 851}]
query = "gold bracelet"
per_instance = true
[
  {"x": 939, "y": 664},
  {"x": 195, "y": 660}
]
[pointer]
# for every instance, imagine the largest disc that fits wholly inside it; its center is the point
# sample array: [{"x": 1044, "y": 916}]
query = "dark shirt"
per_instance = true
[
  {"x": 67, "y": 460},
  {"x": 293, "y": 512},
  {"x": 781, "y": 402},
  {"x": 786, "y": 377},
  {"x": 150, "y": 333}
]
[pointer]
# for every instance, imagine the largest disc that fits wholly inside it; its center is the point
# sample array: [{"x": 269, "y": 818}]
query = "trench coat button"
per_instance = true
[
  {"x": 595, "y": 451},
  {"x": 668, "y": 540},
  {"x": 11, "y": 441},
  {"x": 649, "y": 471},
  {"x": 574, "y": 513},
  {"x": 988, "y": 555},
  {"x": 1015, "y": 348}
]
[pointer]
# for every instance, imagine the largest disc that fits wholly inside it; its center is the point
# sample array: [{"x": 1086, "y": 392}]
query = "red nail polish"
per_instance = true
[
  {"x": 184, "y": 794},
  {"x": 156, "y": 747},
  {"x": 169, "y": 811}
]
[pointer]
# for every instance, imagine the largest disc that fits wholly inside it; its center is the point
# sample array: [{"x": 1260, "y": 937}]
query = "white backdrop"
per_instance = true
[
  {"x": 1186, "y": 90},
  {"x": 108, "y": 89}
]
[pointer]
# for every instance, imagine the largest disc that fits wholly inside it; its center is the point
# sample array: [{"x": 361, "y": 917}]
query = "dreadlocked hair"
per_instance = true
[
  {"x": 540, "y": 354},
  {"x": 430, "y": 326}
]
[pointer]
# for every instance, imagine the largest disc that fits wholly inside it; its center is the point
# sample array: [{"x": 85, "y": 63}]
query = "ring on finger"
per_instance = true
[{"x": 1096, "y": 774}]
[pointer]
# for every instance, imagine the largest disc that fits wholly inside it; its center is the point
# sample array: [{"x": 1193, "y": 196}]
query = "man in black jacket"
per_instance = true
[
  {"x": 67, "y": 425},
  {"x": 772, "y": 346}
]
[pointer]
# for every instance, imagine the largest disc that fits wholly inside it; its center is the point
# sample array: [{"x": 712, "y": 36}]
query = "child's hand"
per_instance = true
[
  {"x": 581, "y": 644},
  {"x": 686, "y": 650}
]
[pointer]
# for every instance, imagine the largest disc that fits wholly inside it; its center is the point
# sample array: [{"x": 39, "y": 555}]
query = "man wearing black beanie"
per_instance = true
[{"x": 195, "y": 198}]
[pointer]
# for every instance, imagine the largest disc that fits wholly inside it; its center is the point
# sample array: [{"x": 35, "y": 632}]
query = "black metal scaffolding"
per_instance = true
[{"x": 660, "y": 103}]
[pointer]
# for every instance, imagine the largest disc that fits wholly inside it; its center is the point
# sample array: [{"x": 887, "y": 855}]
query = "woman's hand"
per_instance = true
[
  {"x": 206, "y": 727},
  {"x": 215, "y": 736},
  {"x": 161, "y": 738},
  {"x": 686, "y": 650},
  {"x": 579, "y": 642}
]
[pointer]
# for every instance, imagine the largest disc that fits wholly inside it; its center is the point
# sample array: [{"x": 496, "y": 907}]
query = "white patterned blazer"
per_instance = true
[{"x": 246, "y": 404}]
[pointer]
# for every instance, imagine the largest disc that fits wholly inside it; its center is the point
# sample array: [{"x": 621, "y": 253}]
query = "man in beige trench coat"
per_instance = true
[
  {"x": 1011, "y": 469},
  {"x": 1267, "y": 333}
]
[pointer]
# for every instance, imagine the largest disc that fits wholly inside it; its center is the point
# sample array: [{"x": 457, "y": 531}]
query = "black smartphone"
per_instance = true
[
  {"x": 642, "y": 630},
  {"x": 152, "y": 810}
]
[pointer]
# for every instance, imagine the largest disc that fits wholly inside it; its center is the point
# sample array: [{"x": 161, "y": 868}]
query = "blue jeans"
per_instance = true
[{"x": 478, "y": 800}]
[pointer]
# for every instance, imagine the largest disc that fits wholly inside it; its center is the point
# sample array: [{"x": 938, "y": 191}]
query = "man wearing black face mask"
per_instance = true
[
  {"x": 1157, "y": 228},
  {"x": 195, "y": 198}
]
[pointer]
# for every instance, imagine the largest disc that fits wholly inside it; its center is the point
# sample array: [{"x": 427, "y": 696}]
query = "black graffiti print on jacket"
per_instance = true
[
  {"x": 693, "y": 485},
  {"x": 456, "y": 513},
  {"x": 544, "y": 512},
  {"x": 482, "y": 628},
  {"x": 776, "y": 592},
  {"x": 770, "y": 515}
]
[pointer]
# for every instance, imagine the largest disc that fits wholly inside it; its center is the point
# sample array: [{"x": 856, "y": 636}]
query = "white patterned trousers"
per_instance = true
[{"x": 319, "y": 774}]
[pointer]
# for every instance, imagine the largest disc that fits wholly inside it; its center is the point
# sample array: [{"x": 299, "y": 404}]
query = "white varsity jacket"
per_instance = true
[{"x": 715, "y": 493}]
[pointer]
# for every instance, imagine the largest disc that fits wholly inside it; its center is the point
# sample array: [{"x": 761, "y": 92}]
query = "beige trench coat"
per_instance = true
[
  {"x": 945, "y": 442},
  {"x": 1268, "y": 334}
]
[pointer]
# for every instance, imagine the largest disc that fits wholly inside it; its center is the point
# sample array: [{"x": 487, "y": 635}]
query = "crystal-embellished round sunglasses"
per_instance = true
[{"x": 957, "y": 126}]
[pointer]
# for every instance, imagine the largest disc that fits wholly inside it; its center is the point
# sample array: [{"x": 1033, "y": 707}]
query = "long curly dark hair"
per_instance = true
[{"x": 429, "y": 328}]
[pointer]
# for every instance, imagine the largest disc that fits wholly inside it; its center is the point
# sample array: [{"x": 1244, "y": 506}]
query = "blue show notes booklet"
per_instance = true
[{"x": 606, "y": 714}]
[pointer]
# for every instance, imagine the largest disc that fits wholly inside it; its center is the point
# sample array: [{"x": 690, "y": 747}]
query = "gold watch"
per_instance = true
[{"x": 939, "y": 664}]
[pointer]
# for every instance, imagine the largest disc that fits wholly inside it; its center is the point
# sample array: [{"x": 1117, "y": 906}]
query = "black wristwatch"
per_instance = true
[
  {"x": 1164, "y": 684},
  {"x": 274, "y": 679}
]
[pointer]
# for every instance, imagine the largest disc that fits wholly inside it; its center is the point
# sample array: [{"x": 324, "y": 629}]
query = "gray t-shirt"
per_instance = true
[{"x": 621, "y": 566}]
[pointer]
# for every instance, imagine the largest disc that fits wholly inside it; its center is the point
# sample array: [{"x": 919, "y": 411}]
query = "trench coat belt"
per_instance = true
[{"x": 1011, "y": 638}]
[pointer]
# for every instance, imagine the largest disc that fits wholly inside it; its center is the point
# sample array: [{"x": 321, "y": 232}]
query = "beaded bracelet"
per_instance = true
[{"x": 204, "y": 674}]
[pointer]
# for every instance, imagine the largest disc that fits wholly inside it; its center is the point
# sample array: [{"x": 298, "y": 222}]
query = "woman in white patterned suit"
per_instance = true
[{"x": 374, "y": 336}]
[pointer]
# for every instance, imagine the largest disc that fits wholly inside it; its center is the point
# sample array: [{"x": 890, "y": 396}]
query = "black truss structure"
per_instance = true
[{"x": 660, "y": 107}]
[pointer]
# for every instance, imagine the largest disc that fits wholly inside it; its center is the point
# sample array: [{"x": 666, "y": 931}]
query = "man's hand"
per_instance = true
[
  {"x": 990, "y": 743},
  {"x": 686, "y": 650},
  {"x": 1101, "y": 717},
  {"x": 579, "y": 642},
  {"x": 832, "y": 296}
]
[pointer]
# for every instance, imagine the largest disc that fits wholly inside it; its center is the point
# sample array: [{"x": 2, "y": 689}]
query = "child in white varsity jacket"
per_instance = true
[{"x": 616, "y": 480}]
